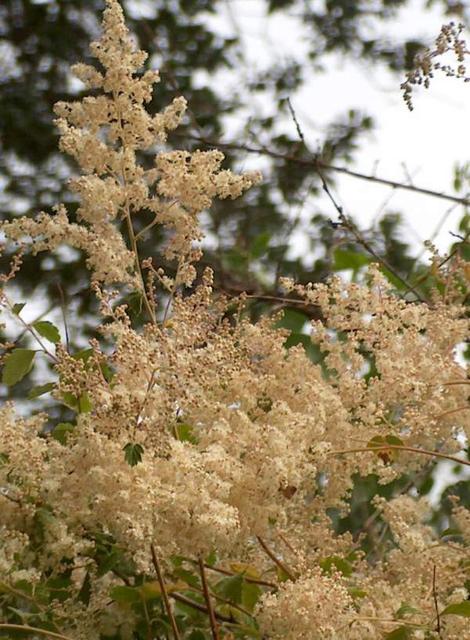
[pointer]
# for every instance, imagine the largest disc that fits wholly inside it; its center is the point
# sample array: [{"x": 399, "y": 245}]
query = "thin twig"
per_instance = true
[
  {"x": 346, "y": 223},
  {"x": 210, "y": 609},
  {"x": 166, "y": 601},
  {"x": 29, "y": 328},
  {"x": 27, "y": 629},
  {"x": 350, "y": 226},
  {"x": 196, "y": 605},
  {"x": 451, "y": 411},
  {"x": 230, "y": 603},
  {"x": 226, "y": 572},
  {"x": 64, "y": 317},
  {"x": 275, "y": 559},
  {"x": 317, "y": 163},
  {"x": 387, "y": 447},
  {"x": 424, "y": 277},
  {"x": 434, "y": 596}
]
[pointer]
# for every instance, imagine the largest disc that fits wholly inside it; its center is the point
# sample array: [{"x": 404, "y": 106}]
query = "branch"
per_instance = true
[
  {"x": 387, "y": 447},
  {"x": 196, "y": 605},
  {"x": 316, "y": 164},
  {"x": 210, "y": 608},
  {"x": 275, "y": 559},
  {"x": 434, "y": 596},
  {"x": 161, "y": 582},
  {"x": 33, "y": 630}
]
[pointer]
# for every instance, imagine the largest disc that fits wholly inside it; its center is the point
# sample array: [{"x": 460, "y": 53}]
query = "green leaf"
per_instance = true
[
  {"x": 332, "y": 563},
  {"x": 17, "y": 308},
  {"x": 293, "y": 320},
  {"x": 40, "y": 390},
  {"x": 231, "y": 588},
  {"x": 61, "y": 431},
  {"x": 3, "y": 458},
  {"x": 83, "y": 354},
  {"x": 405, "y": 609},
  {"x": 387, "y": 455},
  {"x": 260, "y": 244},
  {"x": 458, "y": 609},
  {"x": 184, "y": 433},
  {"x": 281, "y": 575},
  {"x": 47, "y": 330},
  {"x": 125, "y": 595},
  {"x": 84, "y": 403},
  {"x": 347, "y": 259},
  {"x": 450, "y": 532},
  {"x": 212, "y": 558},
  {"x": 85, "y": 590},
  {"x": 197, "y": 634},
  {"x": 312, "y": 350},
  {"x": 355, "y": 592},
  {"x": 17, "y": 364},
  {"x": 400, "y": 633},
  {"x": 80, "y": 405},
  {"x": 133, "y": 453},
  {"x": 251, "y": 593}
]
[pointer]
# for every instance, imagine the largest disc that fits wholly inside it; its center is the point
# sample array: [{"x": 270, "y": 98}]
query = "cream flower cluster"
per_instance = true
[{"x": 243, "y": 446}]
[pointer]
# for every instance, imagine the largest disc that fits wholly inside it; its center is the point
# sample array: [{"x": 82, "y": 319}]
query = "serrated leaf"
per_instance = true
[
  {"x": 61, "y": 431},
  {"x": 458, "y": 609},
  {"x": 47, "y": 330},
  {"x": 40, "y": 390},
  {"x": 400, "y": 633},
  {"x": 133, "y": 453},
  {"x": 18, "y": 363},
  {"x": 18, "y": 307}
]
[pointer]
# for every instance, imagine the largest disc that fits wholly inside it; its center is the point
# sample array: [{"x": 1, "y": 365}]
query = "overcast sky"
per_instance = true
[{"x": 423, "y": 145}]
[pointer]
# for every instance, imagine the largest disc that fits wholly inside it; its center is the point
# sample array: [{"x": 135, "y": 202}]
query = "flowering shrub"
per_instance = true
[{"x": 198, "y": 489}]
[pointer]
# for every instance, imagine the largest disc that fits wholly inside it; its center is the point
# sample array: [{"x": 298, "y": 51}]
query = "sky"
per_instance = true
[{"x": 423, "y": 146}]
